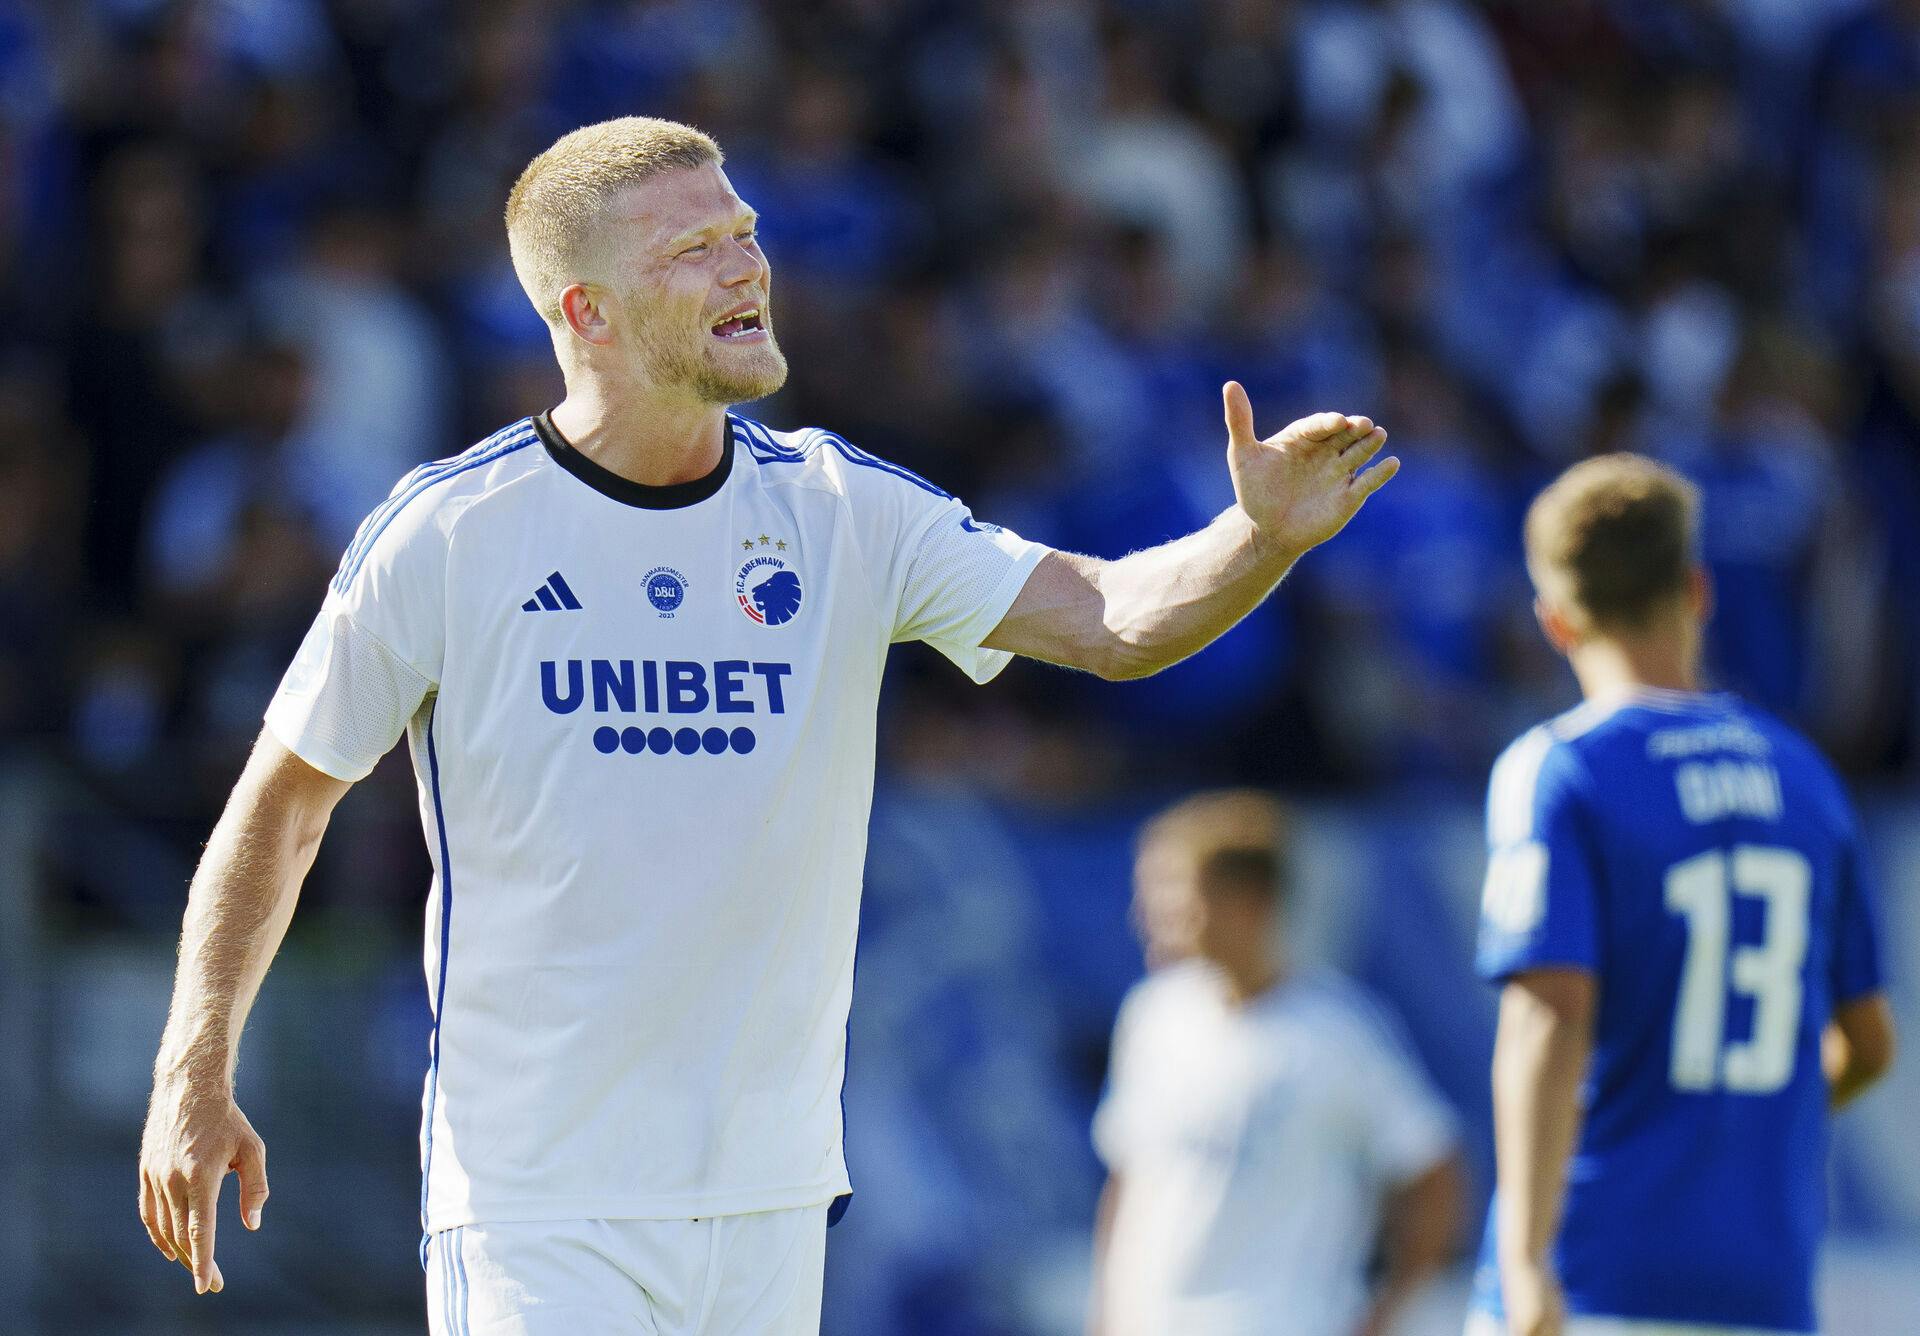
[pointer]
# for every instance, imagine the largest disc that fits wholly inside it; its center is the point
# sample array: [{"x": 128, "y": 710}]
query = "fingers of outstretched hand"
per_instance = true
[
  {"x": 1358, "y": 430},
  {"x": 1322, "y": 429},
  {"x": 1239, "y": 415},
  {"x": 1355, "y": 456},
  {"x": 202, "y": 1216},
  {"x": 150, "y": 1212},
  {"x": 250, "y": 1162},
  {"x": 1366, "y": 484}
]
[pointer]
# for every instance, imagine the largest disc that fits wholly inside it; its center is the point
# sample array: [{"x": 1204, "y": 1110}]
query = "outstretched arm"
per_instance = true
[
  {"x": 238, "y": 909},
  {"x": 1132, "y": 617}
]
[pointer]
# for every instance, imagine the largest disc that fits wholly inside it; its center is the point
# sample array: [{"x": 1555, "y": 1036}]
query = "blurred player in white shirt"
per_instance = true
[
  {"x": 635, "y": 646},
  {"x": 1265, "y": 1131}
]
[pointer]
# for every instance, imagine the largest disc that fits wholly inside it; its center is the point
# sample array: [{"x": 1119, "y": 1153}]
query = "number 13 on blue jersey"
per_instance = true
[{"x": 1702, "y": 890}]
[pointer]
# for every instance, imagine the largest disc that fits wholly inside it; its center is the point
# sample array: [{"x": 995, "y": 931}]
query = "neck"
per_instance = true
[
  {"x": 643, "y": 436},
  {"x": 1249, "y": 978},
  {"x": 1613, "y": 667}
]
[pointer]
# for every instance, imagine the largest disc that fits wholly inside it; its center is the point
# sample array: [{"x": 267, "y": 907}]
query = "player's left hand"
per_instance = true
[
  {"x": 1301, "y": 485},
  {"x": 1534, "y": 1302}
]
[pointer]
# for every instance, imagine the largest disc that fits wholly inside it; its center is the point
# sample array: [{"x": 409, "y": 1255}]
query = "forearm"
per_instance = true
[
  {"x": 238, "y": 908},
  {"x": 1165, "y": 603},
  {"x": 1418, "y": 1236},
  {"x": 1537, "y": 1066}
]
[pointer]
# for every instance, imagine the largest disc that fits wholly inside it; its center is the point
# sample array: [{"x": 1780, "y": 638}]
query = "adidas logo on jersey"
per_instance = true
[{"x": 553, "y": 596}]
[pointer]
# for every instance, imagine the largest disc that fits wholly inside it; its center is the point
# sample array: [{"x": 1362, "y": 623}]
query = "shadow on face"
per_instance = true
[{"x": 1219, "y": 908}]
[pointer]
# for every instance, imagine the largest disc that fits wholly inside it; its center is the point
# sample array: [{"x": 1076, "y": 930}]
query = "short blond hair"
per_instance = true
[
  {"x": 1234, "y": 838},
  {"x": 1613, "y": 539},
  {"x": 555, "y": 207}
]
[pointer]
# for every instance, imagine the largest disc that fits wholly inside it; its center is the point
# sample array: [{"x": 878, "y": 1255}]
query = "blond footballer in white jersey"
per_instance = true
[{"x": 636, "y": 645}]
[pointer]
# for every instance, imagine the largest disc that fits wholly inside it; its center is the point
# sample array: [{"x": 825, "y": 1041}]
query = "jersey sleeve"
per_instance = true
[
  {"x": 939, "y": 575},
  {"x": 374, "y": 652},
  {"x": 1406, "y": 1126},
  {"x": 1116, "y": 1119},
  {"x": 1539, "y": 907},
  {"x": 1855, "y": 969},
  {"x": 959, "y": 578}
]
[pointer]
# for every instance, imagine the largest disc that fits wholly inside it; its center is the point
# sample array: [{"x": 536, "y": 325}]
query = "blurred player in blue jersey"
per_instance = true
[{"x": 1680, "y": 915}]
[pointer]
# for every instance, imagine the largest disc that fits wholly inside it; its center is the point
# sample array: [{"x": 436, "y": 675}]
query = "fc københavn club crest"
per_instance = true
[
  {"x": 768, "y": 590},
  {"x": 666, "y": 589}
]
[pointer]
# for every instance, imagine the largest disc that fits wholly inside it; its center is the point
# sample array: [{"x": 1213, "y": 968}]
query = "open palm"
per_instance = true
[{"x": 1301, "y": 485}]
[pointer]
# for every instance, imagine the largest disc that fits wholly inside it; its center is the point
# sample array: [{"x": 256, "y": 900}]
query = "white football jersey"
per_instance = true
[
  {"x": 1254, "y": 1146},
  {"x": 642, "y": 722}
]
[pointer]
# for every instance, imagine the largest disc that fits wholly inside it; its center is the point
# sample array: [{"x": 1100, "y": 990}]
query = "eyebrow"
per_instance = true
[{"x": 749, "y": 216}]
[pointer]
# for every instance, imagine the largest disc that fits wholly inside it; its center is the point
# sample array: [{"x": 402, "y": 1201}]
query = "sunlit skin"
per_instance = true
[
  {"x": 1610, "y": 664},
  {"x": 648, "y": 379}
]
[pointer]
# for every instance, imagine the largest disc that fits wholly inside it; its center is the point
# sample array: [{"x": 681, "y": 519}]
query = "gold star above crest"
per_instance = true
[
  {"x": 764, "y": 540},
  {"x": 746, "y": 543},
  {"x": 781, "y": 545}
]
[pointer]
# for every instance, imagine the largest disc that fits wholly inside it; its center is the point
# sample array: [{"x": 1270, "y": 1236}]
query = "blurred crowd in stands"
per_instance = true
[{"x": 253, "y": 270}]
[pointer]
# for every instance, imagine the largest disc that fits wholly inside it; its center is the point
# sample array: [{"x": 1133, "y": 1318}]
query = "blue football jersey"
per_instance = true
[{"x": 1703, "y": 861}]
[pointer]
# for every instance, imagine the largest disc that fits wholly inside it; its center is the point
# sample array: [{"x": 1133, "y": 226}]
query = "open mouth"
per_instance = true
[{"x": 740, "y": 324}]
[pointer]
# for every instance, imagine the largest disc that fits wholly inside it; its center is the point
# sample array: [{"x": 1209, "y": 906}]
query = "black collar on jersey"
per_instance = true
[{"x": 604, "y": 480}]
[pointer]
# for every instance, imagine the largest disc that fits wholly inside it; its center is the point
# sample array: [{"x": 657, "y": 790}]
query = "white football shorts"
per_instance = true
[
  {"x": 1484, "y": 1324},
  {"x": 726, "y": 1275}
]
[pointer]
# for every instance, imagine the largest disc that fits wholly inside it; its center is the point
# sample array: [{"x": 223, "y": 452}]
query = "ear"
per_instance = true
[
  {"x": 1700, "y": 594},
  {"x": 580, "y": 307},
  {"x": 1560, "y": 632}
]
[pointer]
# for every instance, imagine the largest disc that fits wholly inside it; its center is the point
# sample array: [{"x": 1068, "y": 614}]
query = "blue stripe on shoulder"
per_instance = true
[
  {"x": 766, "y": 450},
  {"x": 424, "y": 480},
  {"x": 398, "y": 496},
  {"x": 854, "y": 454},
  {"x": 761, "y": 445}
]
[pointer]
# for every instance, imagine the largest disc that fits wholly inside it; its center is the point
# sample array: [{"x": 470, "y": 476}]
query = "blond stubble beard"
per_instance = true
[{"x": 668, "y": 361}]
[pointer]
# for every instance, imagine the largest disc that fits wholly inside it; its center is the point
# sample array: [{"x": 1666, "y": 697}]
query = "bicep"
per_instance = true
[
  {"x": 299, "y": 796},
  {"x": 1545, "y": 1010},
  {"x": 1060, "y": 614}
]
